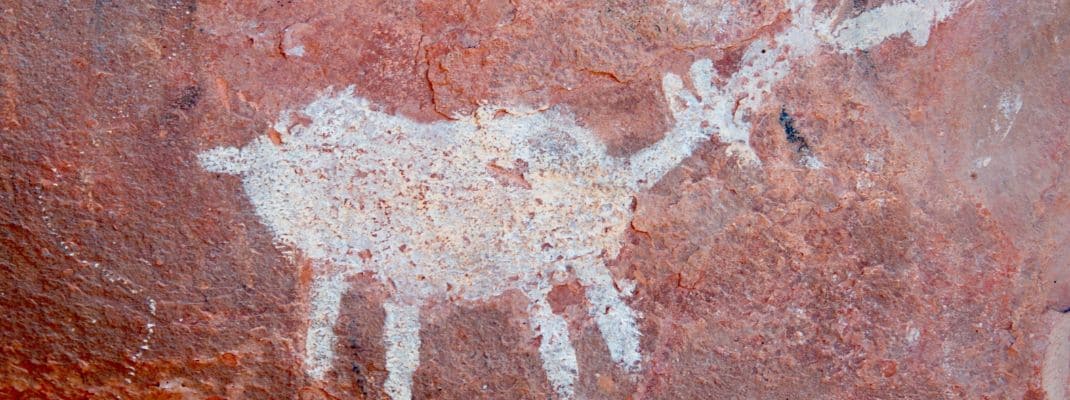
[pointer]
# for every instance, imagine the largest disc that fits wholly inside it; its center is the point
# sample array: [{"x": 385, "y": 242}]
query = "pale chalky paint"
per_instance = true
[{"x": 472, "y": 208}]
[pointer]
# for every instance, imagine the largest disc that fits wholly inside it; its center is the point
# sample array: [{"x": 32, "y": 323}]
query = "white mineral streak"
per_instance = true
[
  {"x": 1055, "y": 373},
  {"x": 1010, "y": 104},
  {"x": 472, "y": 208}
]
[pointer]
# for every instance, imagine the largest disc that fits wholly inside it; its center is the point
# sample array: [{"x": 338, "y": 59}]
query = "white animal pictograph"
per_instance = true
[{"x": 471, "y": 208}]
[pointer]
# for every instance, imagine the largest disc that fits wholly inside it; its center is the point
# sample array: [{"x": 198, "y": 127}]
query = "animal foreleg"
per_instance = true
[
  {"x": 558, "y": 355},
  {"x": 615, "y": 319},
  {"x": 327, "y": 290},
  {"x": 402, "y": 337}
]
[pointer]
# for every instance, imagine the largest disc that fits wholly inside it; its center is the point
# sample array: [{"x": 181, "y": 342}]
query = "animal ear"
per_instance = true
[
  {"x": 223, "y": 160},
  {"x": 678, "y": 97},
  {"x": 702, "y": 73}
]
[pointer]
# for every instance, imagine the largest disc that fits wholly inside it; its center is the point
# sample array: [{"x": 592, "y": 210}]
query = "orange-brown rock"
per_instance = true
[{"x": 925, "y": 258}]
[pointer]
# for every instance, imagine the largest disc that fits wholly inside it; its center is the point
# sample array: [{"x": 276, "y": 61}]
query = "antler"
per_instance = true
[
  {"x": 689, "y": 111},
  {"x": 724, "y": 109}
]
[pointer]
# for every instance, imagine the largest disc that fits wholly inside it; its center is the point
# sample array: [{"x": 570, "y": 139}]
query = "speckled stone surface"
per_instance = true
[{"x": 872, "y": 199}]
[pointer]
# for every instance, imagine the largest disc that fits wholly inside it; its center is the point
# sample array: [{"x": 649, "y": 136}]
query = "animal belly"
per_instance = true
[{"x": 472, "y": 241}]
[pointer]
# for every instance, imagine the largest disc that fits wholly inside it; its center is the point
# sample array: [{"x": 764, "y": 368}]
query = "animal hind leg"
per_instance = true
[
  {"x": 615, "y": 319},
  {"x": 326, "y": 299},
  {"x": 401, "y": 333},
  {"x": 558, "y": 355}
]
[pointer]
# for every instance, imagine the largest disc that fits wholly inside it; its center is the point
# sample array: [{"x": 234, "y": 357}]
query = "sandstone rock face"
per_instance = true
[{"x": 673, "y": 199}]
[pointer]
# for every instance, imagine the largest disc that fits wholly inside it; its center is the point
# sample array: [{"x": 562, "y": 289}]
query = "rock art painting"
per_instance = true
[
  {"x": 471, "y": 208},
  {"x": 551, "y": 199}
]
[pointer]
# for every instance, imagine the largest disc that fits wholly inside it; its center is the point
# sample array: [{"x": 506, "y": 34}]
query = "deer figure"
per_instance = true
[{"x": 471, "y": 208}]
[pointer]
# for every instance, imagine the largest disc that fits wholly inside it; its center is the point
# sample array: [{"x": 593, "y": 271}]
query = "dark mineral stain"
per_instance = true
[
  {"x": 360, "y": 371},
  {"x": 790, "y": 132},
  {"x": 189, "y": 98}
]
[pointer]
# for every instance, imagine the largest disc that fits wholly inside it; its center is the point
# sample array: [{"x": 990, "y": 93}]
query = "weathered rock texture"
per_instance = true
[{"x": 906, "y": 233}]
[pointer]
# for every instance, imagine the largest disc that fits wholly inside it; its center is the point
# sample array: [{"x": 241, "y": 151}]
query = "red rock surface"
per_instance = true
[{"x": 927, "y": 259}]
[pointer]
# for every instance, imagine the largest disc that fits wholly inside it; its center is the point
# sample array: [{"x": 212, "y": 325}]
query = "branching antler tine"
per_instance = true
[
  {"x": 702, "y": 72},
  {"x": 674, "y": 90}
]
